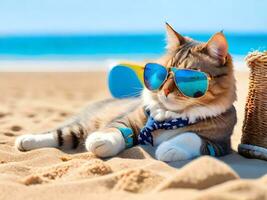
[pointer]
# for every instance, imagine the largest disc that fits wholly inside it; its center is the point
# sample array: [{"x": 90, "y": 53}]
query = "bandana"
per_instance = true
[{"x": 145, "y": 136}]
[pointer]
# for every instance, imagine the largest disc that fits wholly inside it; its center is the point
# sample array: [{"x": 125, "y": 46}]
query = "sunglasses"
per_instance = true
[{"x": 191, "y": 83}]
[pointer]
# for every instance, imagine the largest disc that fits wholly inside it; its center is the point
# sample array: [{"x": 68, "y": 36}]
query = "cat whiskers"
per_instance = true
[{"x": 134, "y": 94}]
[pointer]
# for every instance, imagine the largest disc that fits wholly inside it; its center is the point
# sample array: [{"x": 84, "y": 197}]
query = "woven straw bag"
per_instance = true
[{"x": 254, "y": 137}]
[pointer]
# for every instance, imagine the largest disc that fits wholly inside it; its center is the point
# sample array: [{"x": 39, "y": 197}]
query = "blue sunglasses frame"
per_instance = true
[{"x": 173, "y": 70}]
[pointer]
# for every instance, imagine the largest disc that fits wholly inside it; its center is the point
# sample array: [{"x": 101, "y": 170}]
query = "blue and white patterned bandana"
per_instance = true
[{"x": 145, "y": 135}]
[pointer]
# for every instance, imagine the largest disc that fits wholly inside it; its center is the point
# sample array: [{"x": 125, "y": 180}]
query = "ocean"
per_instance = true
[{"x": 83, "y": 47}]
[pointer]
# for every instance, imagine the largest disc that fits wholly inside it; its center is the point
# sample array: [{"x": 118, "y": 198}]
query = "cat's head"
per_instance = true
[{"x": 211, "y": 57}]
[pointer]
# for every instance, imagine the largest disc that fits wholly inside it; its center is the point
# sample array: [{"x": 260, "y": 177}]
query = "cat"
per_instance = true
[{"x": 214, "y": 115}]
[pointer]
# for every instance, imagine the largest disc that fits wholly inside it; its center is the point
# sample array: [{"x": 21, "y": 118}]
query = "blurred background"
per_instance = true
[{"x": 89, "y": 30}]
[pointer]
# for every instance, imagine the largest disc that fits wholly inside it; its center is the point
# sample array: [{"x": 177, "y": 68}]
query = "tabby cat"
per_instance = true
[{"x": 100, "y": 128}]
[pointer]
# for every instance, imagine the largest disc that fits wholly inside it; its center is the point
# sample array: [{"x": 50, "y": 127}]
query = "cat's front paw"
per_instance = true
[
  {"x": 181, "y": 147},
  {"x": 105, "y": 144},
  {"x": 170, "y": 154}
]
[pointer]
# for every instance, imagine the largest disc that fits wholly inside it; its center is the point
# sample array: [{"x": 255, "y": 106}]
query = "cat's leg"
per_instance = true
[
  {"x": 181, "y": 147},
  {"x": 35, "y": 141},
  {"x": 68, "y": 137},
  {"x": 105, "y": 143}
]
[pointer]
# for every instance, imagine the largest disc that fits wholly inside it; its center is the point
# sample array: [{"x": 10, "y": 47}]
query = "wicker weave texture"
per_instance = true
[{"x": 255, "y": 122}]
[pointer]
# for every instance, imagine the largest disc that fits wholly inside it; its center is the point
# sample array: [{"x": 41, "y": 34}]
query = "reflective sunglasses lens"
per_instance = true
[
  {"x": 191, "y": 83},
  {"x": 154, "y": 75}
]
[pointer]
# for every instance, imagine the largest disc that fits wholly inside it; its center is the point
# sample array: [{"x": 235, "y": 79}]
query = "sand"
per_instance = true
[{"x": 32, "y": 102}]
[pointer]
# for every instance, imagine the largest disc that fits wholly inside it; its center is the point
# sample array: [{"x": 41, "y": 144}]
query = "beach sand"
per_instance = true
[{"x": 34, "y": 102}]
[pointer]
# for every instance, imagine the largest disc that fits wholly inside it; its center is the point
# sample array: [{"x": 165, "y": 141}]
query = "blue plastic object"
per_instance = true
[{"x": 123, "y": 81}]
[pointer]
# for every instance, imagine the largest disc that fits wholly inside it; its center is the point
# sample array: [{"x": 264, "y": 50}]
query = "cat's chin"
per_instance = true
[
  {"x": 172, "y": 104},
  {"x": 169, "y": 103}
]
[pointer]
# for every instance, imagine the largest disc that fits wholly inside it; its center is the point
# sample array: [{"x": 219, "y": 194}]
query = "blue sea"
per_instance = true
[{"x": 139, "y": 46}]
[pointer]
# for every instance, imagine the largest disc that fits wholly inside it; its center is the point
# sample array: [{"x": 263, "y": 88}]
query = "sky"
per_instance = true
[{"x": 130, "y": 16}]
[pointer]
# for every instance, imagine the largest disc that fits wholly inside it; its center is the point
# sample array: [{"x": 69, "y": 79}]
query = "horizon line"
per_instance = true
[{"x": 138, "y": 33}]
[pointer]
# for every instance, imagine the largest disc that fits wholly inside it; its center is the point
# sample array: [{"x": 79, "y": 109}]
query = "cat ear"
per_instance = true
[
  {"x": 217, "y": 46},
  {"x": 174, "y": 39}
]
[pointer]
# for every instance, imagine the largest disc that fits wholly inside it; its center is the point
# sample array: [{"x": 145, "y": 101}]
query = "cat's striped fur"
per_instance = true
[
  {"x": 97, "y": 116},
  {"x": 95, "y": 128}
]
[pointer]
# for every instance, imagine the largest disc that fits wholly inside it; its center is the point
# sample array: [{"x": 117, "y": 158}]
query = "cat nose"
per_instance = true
[
  {"x": 166, "y": 92},
  {"x": 168, "y": 87}
]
